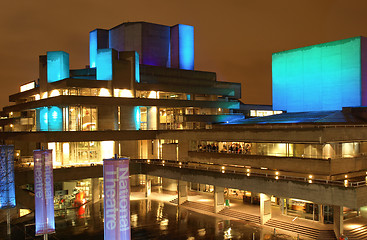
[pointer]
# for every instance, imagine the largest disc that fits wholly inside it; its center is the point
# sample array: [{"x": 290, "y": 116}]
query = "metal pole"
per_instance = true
[
  {"x": 253, "y": 236},
  {"x": 45, "y": 236},
  {"x": 8, "y": 221}
]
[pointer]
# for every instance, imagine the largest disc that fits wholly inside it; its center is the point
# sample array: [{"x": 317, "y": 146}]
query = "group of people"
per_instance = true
[{"x": 236, "y": 148}]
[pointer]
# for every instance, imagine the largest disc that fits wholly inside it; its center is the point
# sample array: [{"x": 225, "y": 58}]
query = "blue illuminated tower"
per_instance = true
[{"x": 321, "y": 77}]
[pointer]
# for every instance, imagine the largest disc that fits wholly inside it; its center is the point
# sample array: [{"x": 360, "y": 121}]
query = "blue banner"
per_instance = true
[
  {"x": 7, "y": 186},
  {"x": 116, "y": 199},
  {"x": 44, "y": 192}
]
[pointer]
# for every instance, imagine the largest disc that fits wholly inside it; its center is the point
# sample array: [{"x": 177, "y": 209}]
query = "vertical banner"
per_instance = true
[
  {"x": 7, "y": 186},
  {"x": 116, "y": 199},
  {"x": 44, "y": 192}
]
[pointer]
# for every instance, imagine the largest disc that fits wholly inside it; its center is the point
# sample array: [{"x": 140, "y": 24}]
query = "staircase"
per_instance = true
[
  {"x": 357, "y": 233},
  {"x": 174, "y": 201},
  {"x": 309, "y": 232},
  {"x": 199, "y": 206},
  {"x": 240, "y": 215},
  {"x": 302, "y": 230}
]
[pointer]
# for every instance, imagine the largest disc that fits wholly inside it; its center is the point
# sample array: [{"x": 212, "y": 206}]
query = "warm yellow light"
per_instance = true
[
  {"x": 310, "y": 181},
  {"x": 148, "y": 161},
  {"x": 54, "y": 93},
  {"x": 163, "y": 161},
  {"x": 248, "y": 170},
  {"x": 37, "y": 97},
  {"x": 27, "y": 86},
  {"x": 276, "y": 177},
  {"x": 180, "y": 163},
  {"x": 11, "y": 125},
  {"x": 104, "y": 92},
  {"x": 223, "y": 167},
  {"x": 310, "y": 176},
  {"x": 153, "y": 94},
  {"x": 45, "y": 95},
  {"x": 345, "y": 183},
  {"x": 276, "y": 173},
  {"x": 125, "y": 93},
  {"x": 346, "y": 176},
  {"x": 248, "y": 174},
  {"x": 107, "y": 149},
  {"x": 222, "y": 171}
]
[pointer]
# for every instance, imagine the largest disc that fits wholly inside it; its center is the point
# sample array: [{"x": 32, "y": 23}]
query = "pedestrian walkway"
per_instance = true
[{"x": 355, "y": 228}]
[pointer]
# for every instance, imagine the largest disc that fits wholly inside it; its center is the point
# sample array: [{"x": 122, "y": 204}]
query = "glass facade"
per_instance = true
[{"x": 301, "y": 150}]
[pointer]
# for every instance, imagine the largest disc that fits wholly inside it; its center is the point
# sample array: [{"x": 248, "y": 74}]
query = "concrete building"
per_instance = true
[{"x": 142, "y": 97}]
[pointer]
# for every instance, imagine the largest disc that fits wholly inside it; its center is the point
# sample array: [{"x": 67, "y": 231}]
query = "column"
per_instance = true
[
  {"x": 338, "y": 220},
  {"x": 95, "y": 190},
  {"x": 265, "y": 208},
  {"x": 182, "y": 192},
  {"x": 183, "y": 150},
  {"x": 321, "y": 213},
  {"x": 148, "y": 186},
  {"x": 152, "y": 117},
  {"x": 218, "y": 199}
]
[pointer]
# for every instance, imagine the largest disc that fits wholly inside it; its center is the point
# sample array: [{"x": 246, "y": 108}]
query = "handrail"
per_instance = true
[{"x": 244, "y": 171}]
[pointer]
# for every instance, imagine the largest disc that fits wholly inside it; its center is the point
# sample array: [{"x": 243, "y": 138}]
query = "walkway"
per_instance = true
[{"x": 355, "y": 228}]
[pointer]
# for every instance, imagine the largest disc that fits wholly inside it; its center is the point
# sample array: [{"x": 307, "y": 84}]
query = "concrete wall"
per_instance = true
[
  {"x": 107, "y": 118},
  {"x": 318, "y": 193}
]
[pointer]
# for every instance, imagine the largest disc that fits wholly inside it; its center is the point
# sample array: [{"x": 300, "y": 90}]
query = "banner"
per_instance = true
[
  {"x": 116, "y": 199},
  {"x": 7, "y": 186},
  {"x": 44, "y": 192}
]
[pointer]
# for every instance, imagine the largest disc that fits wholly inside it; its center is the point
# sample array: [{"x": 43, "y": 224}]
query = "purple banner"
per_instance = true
[
  {"x": 116, "y": 199},
  {"x": 44, "y": 192},
  {"x": 7, "y": 186}
]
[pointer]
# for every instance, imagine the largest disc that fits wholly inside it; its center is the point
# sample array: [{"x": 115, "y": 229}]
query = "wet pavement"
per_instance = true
[{"x": 150, "y": 219}]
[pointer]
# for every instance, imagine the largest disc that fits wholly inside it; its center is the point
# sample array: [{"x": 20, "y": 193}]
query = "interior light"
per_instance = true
[
  {"x": 54, "y": 93},
  {"x": 310, "y": 176},
  {"x": 276, "y": 173}
]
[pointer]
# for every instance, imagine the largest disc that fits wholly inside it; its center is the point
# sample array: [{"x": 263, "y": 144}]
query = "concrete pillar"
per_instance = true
[
  {"x": 148, "y": 186},
  {"x": 182, "y": 191},
  {"x": 321, "y": 213},
  {"x": 338, "y": 220},
  {"x": 96, "y": 191},
  {"x": 129, "y": 118},
  {"x": 218, "y": 199},
  {"x": 183, "y": 149},
  {"x": 169, "y": 184},
  {"x": 129, "y": 148},
  {"x": 265, "y": 208},
  {"x": 152, "y": 118}
]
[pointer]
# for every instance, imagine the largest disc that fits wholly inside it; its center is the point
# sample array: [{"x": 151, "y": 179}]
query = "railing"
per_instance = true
[
  {"x": 234, "y": 169},
  {"x": 249, "y": 172}
]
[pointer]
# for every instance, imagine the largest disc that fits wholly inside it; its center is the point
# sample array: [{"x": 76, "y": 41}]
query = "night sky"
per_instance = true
[{"x": 234, "y": 38}]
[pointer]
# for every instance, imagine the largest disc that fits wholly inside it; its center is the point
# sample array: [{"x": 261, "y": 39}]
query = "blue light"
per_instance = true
[
  {"x": 57, "y": 66},
  {"x": 7, "y": 184},
  {"x": 137, "y": 117},
  {"x": 186, "y": 46},
  {"x": 137, "y": 68},
  {"x": 104, "y": 64},
  {"x": 92, "y": 48},
  {"x": 43, "y": 112},
  {"x": 55, "y": 119},
  {"x": 318, "y": 78}
]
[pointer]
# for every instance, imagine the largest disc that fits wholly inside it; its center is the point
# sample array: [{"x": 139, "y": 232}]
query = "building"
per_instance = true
[{"x": 142, "y": 97}]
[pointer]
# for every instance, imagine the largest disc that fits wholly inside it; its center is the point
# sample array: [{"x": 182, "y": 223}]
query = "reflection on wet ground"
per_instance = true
[{"x": 150, "y": 219}]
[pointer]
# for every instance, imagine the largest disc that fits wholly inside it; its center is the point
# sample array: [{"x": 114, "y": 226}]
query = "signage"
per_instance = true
[
  {"x": 116, "y": 199},
  {"x": 44, "y": 192},
  {"x": 7, "y": 186}
]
